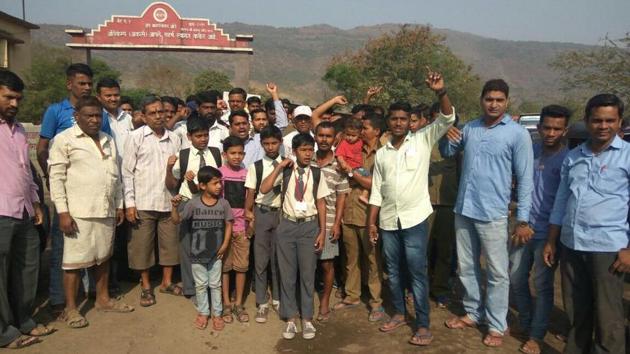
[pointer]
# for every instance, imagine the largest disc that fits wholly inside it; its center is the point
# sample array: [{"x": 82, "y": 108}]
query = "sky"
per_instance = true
[{"x": 577, "y": 21}]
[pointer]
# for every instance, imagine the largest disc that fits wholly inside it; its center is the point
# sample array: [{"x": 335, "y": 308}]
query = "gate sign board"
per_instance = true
[{"x": 160, "y": 27}]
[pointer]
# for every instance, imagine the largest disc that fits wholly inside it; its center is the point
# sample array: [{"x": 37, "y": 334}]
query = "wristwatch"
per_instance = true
[
  {"x": 350, "y": 174},
  {"x": 522, "y": 224}
]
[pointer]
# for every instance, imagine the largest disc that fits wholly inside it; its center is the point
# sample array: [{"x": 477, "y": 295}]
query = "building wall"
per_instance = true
[{"x": 20, "y": 55}]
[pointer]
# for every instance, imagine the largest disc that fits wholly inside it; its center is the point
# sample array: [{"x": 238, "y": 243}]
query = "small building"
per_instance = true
[{"x": 15, "y": 43}]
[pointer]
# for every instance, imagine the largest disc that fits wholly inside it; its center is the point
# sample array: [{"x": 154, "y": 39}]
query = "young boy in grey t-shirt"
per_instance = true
[{"x": 210, "y": 220}]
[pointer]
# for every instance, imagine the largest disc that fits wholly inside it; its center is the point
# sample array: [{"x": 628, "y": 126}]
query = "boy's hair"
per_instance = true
[
  {"x": 603, "y": 100},
  {"x": 171, "y": 100},
  {"x": 147, "y": 100},
  {"x": 207, "y": 173},
  {"x": 421, "y": 110},
  {"x": 256, "y": 111},
  {"x": 232, "y": 141},
  {"x": 399, "y": 106},
  {"x": 269, "y": 105},
  {"x": 325, "y": 125},
  {"x": 10, "y": 80},
  {"x": 126, "y": 100},
  {"x": 106, "y": 82},
  {"x": 302, "y": 139},
  {"x": 89, "y": 101},
  {"x": 353, "y": 124},
  {"x": 376, "y": 121},
  {"x": 196, "y": 124},
  {"x": 238, "y": 91},
  {"x": 254, "y": 99},
  {"x": 79, "y": 68},
  {"x": 496, "y": 85},
  {"x": 239, "y": 113},
  {"x": 362, "y": 107},
  {"x": 270, "y": 131},
  {"x": 555, "y": 111},
  {"x": 205, "y": 97}
]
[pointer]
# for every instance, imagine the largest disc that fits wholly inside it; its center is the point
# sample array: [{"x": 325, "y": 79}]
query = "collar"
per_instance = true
[
  {"x": 270, "y": 160},
  {"x": 120, "y": 114},
  {"x": 616, "y": 144},
  {"x": 376, "y": 147},
  {"x": 217, "y": 125},
  {"x": 65, "y": 104},
  {"x": 146, "y": 131},
  {"x": 314, "y": 161},
  {"x": 76, "y": 131},
  {"x": 507, "y": 118},
  {"x": 391, "y": 147}
]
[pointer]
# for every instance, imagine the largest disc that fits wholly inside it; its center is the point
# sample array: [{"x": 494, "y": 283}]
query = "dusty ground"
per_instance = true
[{"x": 167, "y": 328}]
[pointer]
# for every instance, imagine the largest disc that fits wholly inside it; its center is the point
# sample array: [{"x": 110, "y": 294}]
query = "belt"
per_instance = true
[
  {"x": 299, "y": 220},
  {"x": 266, "y": 207}
]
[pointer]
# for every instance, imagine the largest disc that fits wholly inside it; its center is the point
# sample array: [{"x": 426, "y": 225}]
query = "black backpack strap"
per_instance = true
[
  {"x": 258, "y": 167},
  {"x": 317, "y": 173},
  {"x": 184, "y": 155},
  {"x": 216, "y": 154}
]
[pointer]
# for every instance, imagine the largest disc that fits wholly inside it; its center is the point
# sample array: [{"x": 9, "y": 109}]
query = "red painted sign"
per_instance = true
[{"x": 159, "y": 27}]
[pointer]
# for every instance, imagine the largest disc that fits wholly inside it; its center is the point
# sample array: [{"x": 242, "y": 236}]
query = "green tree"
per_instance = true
[
  {"x": 605, "y": 69},
  {"x": 211, "y": 80},
  {"x": 398, "y": 62}
]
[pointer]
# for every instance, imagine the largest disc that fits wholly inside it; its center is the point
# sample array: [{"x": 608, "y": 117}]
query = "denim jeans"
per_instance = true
[
  {"x": 533, "y": 315},
  {"x": 491, "y": 238},
  {"x": 55, "y": 287},
  {"x": 407, "y": 248},
  {"x": 208, "y": 275}
]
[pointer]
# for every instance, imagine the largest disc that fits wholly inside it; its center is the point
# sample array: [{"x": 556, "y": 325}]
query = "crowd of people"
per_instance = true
[{"x": 293, "y": 202}]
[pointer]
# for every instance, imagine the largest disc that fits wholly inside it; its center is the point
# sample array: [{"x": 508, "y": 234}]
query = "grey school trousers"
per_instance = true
[
  {"x": 19, "y": 261},
  {"x": 296, "y": 254},
  {"x": 265, "y": 228},
  {"x": 593, "y": 300}
]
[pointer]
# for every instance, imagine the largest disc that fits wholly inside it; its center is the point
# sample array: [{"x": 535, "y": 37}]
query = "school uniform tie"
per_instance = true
[
  {"x": 299, "y": 186},
  {"x": 202, "y": 160}
]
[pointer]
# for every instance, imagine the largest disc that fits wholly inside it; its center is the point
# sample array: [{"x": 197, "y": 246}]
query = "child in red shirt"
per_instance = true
[{"x": 349, "y": 152}]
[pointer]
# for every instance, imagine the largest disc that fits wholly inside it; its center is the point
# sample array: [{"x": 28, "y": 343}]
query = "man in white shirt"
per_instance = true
[
  {"x": 236, "y": 101},
  {"x": 84, "y": 159},
  {"x": 206, "y": 109},
  {"x": 400, "y": 192},
  {"x": 302, "y": 123}
]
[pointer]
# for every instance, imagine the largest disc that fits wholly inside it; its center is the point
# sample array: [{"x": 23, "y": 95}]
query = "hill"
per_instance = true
[{"x": 296, "y": 58}]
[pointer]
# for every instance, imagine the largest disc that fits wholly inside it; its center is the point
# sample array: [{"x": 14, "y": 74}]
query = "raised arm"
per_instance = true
[
  {"x": 371, "y": 92},
  {"x": 435, "y": 82},
  {"x": 316, "y": 117},
  {"x": 282, "y": 120}
]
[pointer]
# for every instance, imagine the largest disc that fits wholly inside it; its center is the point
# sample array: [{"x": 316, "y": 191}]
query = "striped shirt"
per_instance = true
[
  {"x": 337, "y": 184},
  {"x": 144, "y": 169}
]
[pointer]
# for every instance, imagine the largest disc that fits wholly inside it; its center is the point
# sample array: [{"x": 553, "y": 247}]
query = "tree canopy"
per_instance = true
[{"x": 398, "y": 62}]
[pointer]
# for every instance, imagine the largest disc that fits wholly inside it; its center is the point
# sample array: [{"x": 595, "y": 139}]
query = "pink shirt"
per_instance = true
[
  {"x": 234, "y": 193},
  {"x": 18, "y": 191}
]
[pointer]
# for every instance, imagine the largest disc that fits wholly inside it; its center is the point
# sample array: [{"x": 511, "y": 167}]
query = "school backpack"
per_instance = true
[{"x": 184, "y": 156}]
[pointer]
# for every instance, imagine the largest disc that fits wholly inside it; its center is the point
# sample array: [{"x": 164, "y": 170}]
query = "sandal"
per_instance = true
[
  {"x": 172, "y": 289},
  {"x": 74, "y": 319},
  {"x": 218, "y": 323},
  {"x": 376, "y": 314},
  {"x": 147, "y": 298},
  {"x": 241, "y": 315},
  {"x": 114, "y": 306},
  {"x": 493, "y": 339},
  {"x": 532, "y": 346},
  {"x": 393, "y": 323},
  {"x": 460, "y": 323},
  {"x": 40, "y": 331},
  {"x": 201, "y": 322},
  {"x": 323, "y": 317},
  {"x": 23, "y": 342},
  {"x": 345, "y": 305},
  {"x": 421, "y": 339},
  {"x": 227, "y": 315}
]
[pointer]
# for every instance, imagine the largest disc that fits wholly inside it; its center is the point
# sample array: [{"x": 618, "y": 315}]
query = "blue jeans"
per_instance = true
[
  {"x": 55, "y": 286},
  {"x": 208, "y": 275},
  {"x": 533, "y": 315},
  {"x": 491, "y": 238},
  {"x": 408, "y": 248}
]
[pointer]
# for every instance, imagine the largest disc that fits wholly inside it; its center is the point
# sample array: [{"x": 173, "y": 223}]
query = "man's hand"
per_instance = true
[
  {"x": 341, "y": 100},
  {"x": 549, "y": 254},
  {"x": 319, "y": 241},
  {"x": 120, "y": 216},
  {"x": 272, "y": 88},
  {"x": 190, "y": 176},
  {"x": 132, "y": 215},
  {"x": 335, "y": 233},
  {"x": 285, "y": 163},
  {"x": 454, "y": 135},
  {"x": 373, "y": 233},
  {"x": 434, "y": 81},
  {"x": 67, "y": 225},
  {"x": 622, "y": 264},
  {"x": 176, "y": 200},
  {"x": 38, "y": 218},
  {"x": 171, "y": 162},
  {"x": 373, "y": 91},
  {"x": 522, "y": 234}
]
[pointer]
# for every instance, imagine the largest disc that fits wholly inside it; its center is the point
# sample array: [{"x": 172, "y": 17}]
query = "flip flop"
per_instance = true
[
  {"x": 421, "y": 340},
  {"x": 459, "y": 323},
  {"x": 201, "y": 322},
  {"x": 114, "y": 306},
  {"x": 345, "y": 305},
  {"x": 527, "y": 349},
  {"x": 22, "y": 342},
  {"x": 74, "y": 319},
  {"x": 40, "y": 331},
  {"x": 493, "y": 339},
  {"x": 323, "y": 317},
  {"x": 376, "y": 314},
  {"x": 395, "y": 324},
  {"x": 172, "y": 289}
]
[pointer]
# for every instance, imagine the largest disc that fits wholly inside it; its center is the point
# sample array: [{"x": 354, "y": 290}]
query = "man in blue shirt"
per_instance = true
[
  {"x": 526, "y": 255},
  {"x": 495, "y": 149},
  {"x": 590, "y": 215},
  {"x": 59, "y": 117}
]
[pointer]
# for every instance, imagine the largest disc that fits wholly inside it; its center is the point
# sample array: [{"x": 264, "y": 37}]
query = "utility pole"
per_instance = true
[{"x": 23, "y": 11}]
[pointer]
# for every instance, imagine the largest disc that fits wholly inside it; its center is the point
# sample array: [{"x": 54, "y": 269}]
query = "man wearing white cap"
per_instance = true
[{"x": 302, "y": 123}]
